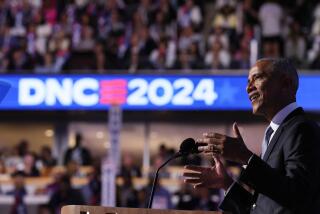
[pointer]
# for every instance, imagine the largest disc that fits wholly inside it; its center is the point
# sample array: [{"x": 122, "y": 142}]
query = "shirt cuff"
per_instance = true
[{"x": 245, "y": 165}]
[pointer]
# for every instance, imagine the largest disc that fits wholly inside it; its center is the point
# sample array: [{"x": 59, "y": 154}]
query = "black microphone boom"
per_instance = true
[{"x": 188, "y": 146}]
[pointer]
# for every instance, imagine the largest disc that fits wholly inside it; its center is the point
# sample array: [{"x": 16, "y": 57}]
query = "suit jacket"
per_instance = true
[
  {"x": 85, "y": 156},
  {"x": 287, "y": 180}
]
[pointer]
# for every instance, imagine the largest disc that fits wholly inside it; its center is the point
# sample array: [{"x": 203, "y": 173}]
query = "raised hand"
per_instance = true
[
  {"x": 231, "y": 148},
  {"x": 210, "y": 177}
]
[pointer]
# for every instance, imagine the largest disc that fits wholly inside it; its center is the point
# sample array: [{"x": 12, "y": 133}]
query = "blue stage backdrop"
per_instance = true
[{"x": 138, "y": 92}]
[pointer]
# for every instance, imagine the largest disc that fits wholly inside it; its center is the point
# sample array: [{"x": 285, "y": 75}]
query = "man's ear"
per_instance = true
[{"x": 287, "y": 84}]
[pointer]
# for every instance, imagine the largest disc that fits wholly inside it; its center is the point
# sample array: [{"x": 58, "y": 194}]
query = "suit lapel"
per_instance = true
[
  {"x": 272, "y": 143},
  {"x": 276, "y": 136}
]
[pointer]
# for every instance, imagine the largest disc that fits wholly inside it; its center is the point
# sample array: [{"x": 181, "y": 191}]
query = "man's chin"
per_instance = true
[{"x": 256, "y": 110}]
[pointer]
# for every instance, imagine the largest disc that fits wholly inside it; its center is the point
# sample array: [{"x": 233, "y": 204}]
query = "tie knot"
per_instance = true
[{"x": 268, "y": 134}]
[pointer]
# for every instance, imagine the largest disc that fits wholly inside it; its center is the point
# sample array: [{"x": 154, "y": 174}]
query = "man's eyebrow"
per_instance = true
[
  {"x": 252, "y": 76},
  {"x": 255, "y": 75}
]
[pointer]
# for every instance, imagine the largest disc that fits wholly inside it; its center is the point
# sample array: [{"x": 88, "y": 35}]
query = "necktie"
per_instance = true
[{"x": 266, "y": 140}]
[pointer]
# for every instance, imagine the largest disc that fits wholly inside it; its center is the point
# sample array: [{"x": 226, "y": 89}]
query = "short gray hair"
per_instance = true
[{"x": 284, "y": 66}]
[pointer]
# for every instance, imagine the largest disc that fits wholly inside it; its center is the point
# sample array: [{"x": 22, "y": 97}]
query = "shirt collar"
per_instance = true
[{"x": 281, "y": 115}]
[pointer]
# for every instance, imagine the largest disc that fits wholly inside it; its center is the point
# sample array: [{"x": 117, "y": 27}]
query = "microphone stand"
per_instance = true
[{"x": 154, "y": 184}]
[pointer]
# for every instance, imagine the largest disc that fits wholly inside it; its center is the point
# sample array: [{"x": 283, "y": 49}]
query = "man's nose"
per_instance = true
[{"x": 249, "y": 87}]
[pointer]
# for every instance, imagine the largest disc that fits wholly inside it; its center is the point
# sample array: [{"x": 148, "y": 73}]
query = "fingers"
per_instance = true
[
  {"x": 210, "y": 144},
  {"x": 212, "y": 135},
  {"x": 192, "y": 180},
  {"x": 195, "y": 168},
  {"x": 191, "y": 174},
  {"x": 195, "y": 182},
  {"x": 217, "y": 143},
  {"x": 212, "y": 148},
  {"x": 204, "y": 141},
  {"x": 193, "y": 177},
  {"x": 199, "y": 185},
  {"x": 204, "y": 176},
  {"x": 199, "y": 142},
  {"x": 217, "y": 161}
]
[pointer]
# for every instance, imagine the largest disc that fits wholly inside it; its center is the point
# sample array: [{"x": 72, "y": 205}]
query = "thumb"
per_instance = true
[
  {"x": 217, "y": 161},
  {"x": 236, "y": 131}
]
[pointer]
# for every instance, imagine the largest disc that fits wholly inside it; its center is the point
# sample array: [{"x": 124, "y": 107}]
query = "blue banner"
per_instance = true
[{"x": 138, "y": 92}]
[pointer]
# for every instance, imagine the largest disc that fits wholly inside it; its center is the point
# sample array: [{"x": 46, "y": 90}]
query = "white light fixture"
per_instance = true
[
  {"x": 49, "y": 133},
  {"x": 99, "y": 135}
]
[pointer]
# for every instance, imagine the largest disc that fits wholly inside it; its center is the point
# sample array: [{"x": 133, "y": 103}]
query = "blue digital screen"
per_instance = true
[{"x": 138, "y": 92}]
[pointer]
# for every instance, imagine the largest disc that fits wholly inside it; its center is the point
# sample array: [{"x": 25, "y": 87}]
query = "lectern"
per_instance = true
[{"x": 81, "y": 209}]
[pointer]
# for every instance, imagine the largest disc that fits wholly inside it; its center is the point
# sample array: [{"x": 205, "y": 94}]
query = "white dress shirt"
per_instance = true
[{"x": 280, "y": 116}]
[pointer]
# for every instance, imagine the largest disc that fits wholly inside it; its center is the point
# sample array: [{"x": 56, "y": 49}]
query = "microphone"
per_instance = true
[{"x": 187, "y": 147}]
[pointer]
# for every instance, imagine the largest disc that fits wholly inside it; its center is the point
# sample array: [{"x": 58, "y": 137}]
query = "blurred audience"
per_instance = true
[
  {"x": 73, "y": 169},
  {"x": 156, "y": 163},
  {"x": 190, "y": 15},
  {"x": 162, "y": 197},
  {"x": 46, "y": 158},
  {"x": 3, "y": 168},
  {"x": 129, "y": 167},
  {"x": 65, "y": 194},
  {"x": 23, "y": 148},
  {"x": 185, "y": 198},
  {"x": 197, "y": 199},
  {"x": 52, "y": 187},
  {"x": 127, "y": 195},
  {"x": 19, "y": 192},
  {"x": 29, "y": 165},
  {"x": 86, "y": 184},
  {"x": 92, "y": 190},
  {"x": 58, "y": 37},
  {"x": 271, "y": 16},
  {"x": 295, "y": 45},
  {"x": 78, "y": 153},
  {"x": 217, "y": 57}
]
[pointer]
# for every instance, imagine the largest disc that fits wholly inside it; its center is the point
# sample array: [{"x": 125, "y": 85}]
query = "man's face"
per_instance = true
[{"x": 264, "y": 90}]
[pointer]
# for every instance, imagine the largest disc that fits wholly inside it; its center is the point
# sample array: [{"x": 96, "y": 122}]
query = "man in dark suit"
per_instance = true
[
  {"x": 286, "y": 177},
  {"x": 78, "y": 153}
]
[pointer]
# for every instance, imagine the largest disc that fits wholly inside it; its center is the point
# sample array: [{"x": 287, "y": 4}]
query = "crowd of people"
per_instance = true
[
  {"x": 54, "y": 36},
  {"x": 19, "y": 162}
]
